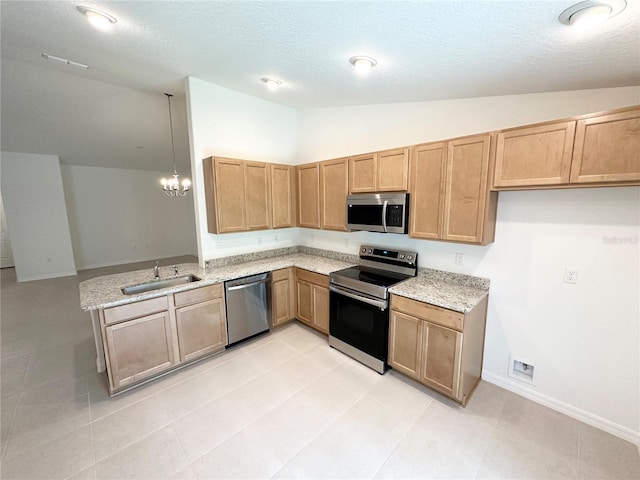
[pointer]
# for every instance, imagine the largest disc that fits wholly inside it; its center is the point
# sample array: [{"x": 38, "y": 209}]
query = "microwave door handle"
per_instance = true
[{"x": 384, "y": 215}]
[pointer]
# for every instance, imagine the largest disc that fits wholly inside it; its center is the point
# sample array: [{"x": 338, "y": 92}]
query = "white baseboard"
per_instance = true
[
  {"x": 47, "y": 276},
  {"x": 571, "y": 411}
]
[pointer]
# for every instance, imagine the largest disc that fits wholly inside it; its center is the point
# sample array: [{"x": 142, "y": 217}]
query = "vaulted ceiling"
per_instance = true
[{"x": 114, "y": 113}]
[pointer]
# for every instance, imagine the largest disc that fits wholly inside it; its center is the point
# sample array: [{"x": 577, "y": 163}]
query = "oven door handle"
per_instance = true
[
  {"x": 381, "y": 304},
  {"x": 384, "y": 215}
]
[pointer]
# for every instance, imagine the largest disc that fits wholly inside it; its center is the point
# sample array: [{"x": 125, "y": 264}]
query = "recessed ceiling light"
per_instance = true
[
  {"x": 363, "y": 64},
  {"x": 99, "y": 19},
  {"x": 591, "y": 13},
  {"x": 271, "y": 83}
]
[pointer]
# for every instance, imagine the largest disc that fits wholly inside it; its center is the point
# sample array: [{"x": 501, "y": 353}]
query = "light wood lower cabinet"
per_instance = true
[
  {"x": 312, "y": 291},
  {"x": 202, "y": 329},
  {"x": 283, "y": 302},
  {"x": 185, "y": 326},
  {"x": 138, "y": 349},
  {"x": 438, "y": 347}
]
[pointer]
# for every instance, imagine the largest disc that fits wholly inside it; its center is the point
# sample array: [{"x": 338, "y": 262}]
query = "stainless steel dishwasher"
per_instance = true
[{"x": 248, "y": 306}]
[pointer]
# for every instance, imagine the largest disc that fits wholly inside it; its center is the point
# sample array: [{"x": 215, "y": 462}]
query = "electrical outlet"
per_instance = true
[
  {"x": 570, "y": 275},
  {"x": 459, "y": 258}
]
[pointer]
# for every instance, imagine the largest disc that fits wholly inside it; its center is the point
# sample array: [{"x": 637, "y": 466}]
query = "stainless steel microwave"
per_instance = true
[{"x": 378, "y": 212}]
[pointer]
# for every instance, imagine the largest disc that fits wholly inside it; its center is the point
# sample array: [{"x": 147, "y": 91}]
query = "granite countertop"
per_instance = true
[
  {"x": 444, "y": 289},
  {"x": 104, "y": 292},
  {"x": 453, "y": 296}
]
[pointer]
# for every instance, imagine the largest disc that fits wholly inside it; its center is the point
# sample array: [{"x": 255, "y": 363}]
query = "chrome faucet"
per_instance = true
[{"x": 156, "y": 272}]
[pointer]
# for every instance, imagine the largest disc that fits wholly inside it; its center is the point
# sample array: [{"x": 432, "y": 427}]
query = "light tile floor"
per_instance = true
[{"x": 284, "y": 405}]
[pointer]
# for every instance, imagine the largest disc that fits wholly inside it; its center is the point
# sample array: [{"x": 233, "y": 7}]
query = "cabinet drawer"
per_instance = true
[
  {"x": 282, "y": 274},
  {"x": 198, "y": 295},
  {"x": 425, "y": 311},
  {"x": 135, "y": 310},
  {"x": 312, "y": 277}
]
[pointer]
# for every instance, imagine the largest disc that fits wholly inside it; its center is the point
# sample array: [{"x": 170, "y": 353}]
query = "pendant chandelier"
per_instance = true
[{"x": 172, "y": 187}]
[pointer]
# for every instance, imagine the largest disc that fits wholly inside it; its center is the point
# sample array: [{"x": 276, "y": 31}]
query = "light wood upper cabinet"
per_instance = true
[
  {"x": 607, "y": 148},
  {"x": 257, "y": 195},
  {"x": 283, "y": 194},
  {"x": 334, "y": 185},
  {"x": 385, "y": 171},
  {"x": 469, "y": 210},
  {"x": 427, "y": 186},
  {"x": 591, "y": 150},
  {"x": 237, "y": 194},
  {"x": 363, "y": 171},
  {"x": 283, "y": 295},
  {"x": 309, "y": 195},
  {"x": 539, "y": 155},
  {"x": 450, "y": 197},
  {"x": 393, "y": 169}
]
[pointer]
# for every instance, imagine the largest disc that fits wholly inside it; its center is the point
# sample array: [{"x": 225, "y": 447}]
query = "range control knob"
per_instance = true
[
  {"x": 370, "y": 251},
  {"x": 364, "y": 250},
  {"x": 401, "y": 256},
  {"x": 409, "y": 257}
]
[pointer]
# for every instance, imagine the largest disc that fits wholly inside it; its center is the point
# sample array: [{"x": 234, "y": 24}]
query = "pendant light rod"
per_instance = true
[{"x": 173, "y": 148}]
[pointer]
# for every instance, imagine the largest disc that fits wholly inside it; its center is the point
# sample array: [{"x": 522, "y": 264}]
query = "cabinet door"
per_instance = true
[
  {"x": 534, "y": 156},
  {"x": 283, "y": 295},
  {"x": 427, "y": 176},
  {"x": 363, "y": 171},
  {"x": 466, "y": 191},
  {"x": 405, "y": 344},
  {"x": 321, "y": 308},
  {"x": 334, "y": 186},
  {"x": 257, "y": 198},
  {"x": 441, "y": 358},
  {"x": 305, "y": 301},
  {"x": 607, "y": 149},
  {"x": 309, "y": 195},
  {"x": 139, "y": 348},
  {"x": 202, "y": 329},
  {"x": 393, "y": 168},
  {"x": 282, "y": 196},
  {"x": 230, "y": 195}
]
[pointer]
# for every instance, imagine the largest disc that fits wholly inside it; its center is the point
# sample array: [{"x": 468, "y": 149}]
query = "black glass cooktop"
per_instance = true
[{"x": 373, "y": 276}]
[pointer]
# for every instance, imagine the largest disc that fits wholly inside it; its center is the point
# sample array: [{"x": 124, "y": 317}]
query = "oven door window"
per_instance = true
[{"x": 361, "y": 325}]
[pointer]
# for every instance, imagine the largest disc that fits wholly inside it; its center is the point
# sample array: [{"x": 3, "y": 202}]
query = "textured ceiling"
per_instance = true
[{"x": 428, "y": 50}]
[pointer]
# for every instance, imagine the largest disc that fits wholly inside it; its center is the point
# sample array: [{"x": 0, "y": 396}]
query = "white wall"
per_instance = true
[
  {"x": 36, "y": 215},
  {"x": 121, "y": 216},
  {"x": 583, "y": 339},
  {"x": 226, "y": 123}
]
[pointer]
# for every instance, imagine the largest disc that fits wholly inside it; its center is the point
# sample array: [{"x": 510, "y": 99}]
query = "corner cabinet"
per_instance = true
[
  {"x": 592, "y": 150},
  {"x": 334, "y": 186},
  {"x": 312, "y": 292},
  {"x": 440, "y": 348},
  {"x": 283, "y": 301},
  {"x": 145, "y": 339},
  {"x": 237, "y": 195},
  {"x": 283, "y": 196},
  {"x": 309, "y": 195},
  {"x": 450, "y": 196}
]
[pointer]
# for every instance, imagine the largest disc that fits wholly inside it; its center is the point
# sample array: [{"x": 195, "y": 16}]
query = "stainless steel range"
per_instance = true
[{"x": 359, "y": 305}]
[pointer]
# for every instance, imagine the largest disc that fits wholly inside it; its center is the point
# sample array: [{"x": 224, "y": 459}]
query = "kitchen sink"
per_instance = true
[{"x": 158, "y": 284}]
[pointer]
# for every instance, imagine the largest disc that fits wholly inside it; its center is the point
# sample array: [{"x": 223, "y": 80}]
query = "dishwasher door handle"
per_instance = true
[{"x": 247, "y": 285}]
